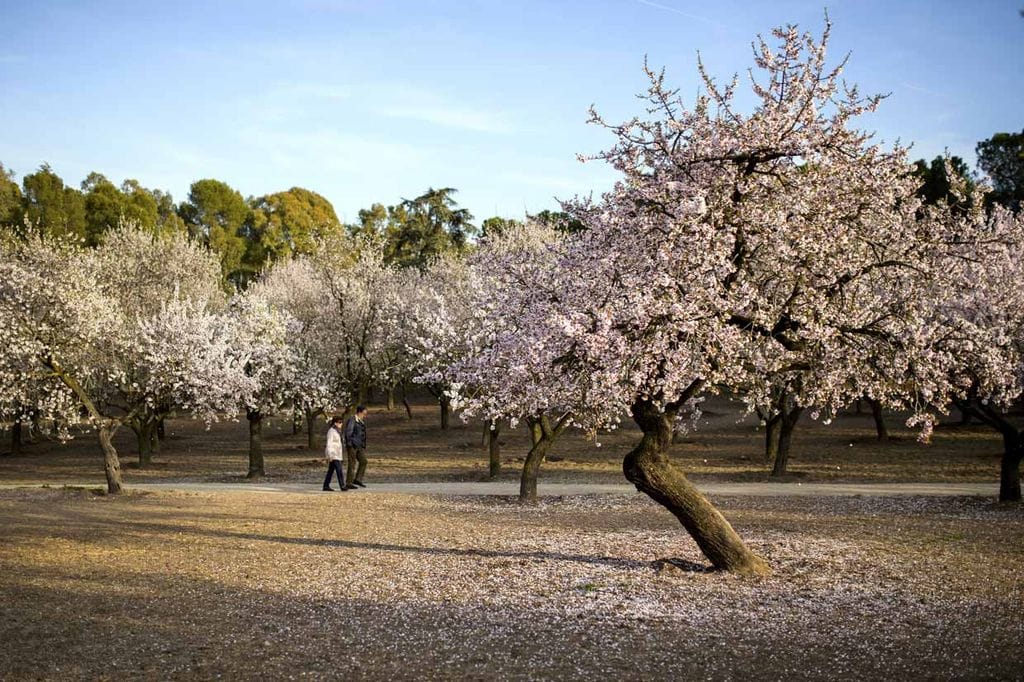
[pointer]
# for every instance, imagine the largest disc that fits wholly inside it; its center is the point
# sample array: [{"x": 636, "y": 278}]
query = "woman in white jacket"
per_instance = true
[{"x": 335, "y": 454}]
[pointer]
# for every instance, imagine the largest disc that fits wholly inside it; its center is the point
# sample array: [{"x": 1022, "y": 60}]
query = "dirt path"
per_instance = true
[{"x": 761, "y": 489}]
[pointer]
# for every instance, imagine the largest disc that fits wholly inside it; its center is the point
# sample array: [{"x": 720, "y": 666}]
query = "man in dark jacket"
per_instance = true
[{"x": 355, "y": 444}]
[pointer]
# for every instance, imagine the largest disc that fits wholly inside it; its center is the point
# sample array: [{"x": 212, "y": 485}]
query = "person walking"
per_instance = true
[
  {"x": 355, "y": 441},
  {"x": 335, "y": 454}
]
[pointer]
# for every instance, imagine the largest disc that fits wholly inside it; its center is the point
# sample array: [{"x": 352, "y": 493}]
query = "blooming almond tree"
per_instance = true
[
  {"x": 293, "y": 285},
  {"x": 146, "y": 275},
  {"x": 976, "y": 335},
  {"x": 260, "y": 338},
  {"x": 736, "y": 247},
  {"x": 500, "y": 363}
]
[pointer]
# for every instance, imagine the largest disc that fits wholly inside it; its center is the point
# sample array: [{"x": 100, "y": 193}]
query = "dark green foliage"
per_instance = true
[
  {"x": 52, "y": 208},
  {"x": 215, "y": 213},
  {"x": 287, "y": 223},
  {"x": 936, "y": 184},
  {"x": 1001, "y": 157}
]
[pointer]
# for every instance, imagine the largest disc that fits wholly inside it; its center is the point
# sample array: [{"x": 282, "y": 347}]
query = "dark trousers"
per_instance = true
[
  {"x": 355, "y": 454},
  {"x": 334, "y": 466}
]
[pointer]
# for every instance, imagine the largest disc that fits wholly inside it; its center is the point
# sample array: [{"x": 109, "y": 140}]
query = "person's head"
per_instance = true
[
  {"x": 337, "y": 420},
  {"x": 360, "y": 411}
]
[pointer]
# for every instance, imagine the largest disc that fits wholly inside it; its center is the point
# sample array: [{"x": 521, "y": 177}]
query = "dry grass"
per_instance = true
[{"x": 243, "y": 585}]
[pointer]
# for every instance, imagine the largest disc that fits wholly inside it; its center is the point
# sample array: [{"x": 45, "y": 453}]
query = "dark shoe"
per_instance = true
[
  {"x": 359, "y": 483},
  {"x": 326, "y": 489},
  {"x": 343, "y": 489},
  {"x": 349, "y": 487}
]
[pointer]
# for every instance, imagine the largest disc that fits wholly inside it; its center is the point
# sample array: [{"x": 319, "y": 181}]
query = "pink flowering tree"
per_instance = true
[
  {"x": 736, "y": 247},
  {"x": 498, "y": 363},
  {"x": 977, "y": 332}
]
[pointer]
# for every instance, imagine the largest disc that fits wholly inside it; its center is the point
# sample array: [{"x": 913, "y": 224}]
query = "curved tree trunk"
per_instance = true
[
  {"x": 876, "y": 413},
  {"x": 648, "y": 467},
  {"x": 256, "y": 469},
  {"x": 111, "y": 464},
  {"x": 542, "y": 435},
  {"x": 494, "y": 449},
  {"x": 405, "y": 401}
]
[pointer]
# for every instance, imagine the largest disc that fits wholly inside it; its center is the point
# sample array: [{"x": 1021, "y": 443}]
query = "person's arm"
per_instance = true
[{"x": 350, "y": 427}]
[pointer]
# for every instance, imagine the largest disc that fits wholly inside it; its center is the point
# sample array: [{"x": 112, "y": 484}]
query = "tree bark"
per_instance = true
[
  {"x": 297, "y": 419},
  {"x": 531, "y": 470},
  {"x": 445, "y": 411},
  {"x": 16, "y": 438},
  {"x": 311, "y": 439},
  {"x": 494, "y": 449},
  {"x": 1009, "y": 466},
  {"x": 144, "y": 436},
  {"x": 256, "y": 469},
  {"x": 111, "y": 464},
  {"x": 391, "y": 398},
  {"x": 405, "y": 401},
  {"x": 648, "y": 467},
  {"x": 876, "y": 413},
  {"x": 787, "y": 423},
  {"x": 161, "y": 430},
  {"x": 772, "y": 427}
]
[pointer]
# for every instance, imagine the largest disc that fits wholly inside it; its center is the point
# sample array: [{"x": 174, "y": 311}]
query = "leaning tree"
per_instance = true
[{"x": 736, "y": 247}]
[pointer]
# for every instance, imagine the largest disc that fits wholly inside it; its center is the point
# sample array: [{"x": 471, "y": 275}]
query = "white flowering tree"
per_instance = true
[
  {"x": 293, "y": 285},
  {"x": 498, "y": 361},
  {"x": 261, "y": 334},
  {"x": 977, "y": 332},
  {"x": 736, "y": 247},
  {"x": 165, "y": 290}
]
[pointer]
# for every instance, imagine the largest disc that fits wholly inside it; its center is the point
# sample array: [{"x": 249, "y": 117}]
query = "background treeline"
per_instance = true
[{"x": 247, "y": 233}]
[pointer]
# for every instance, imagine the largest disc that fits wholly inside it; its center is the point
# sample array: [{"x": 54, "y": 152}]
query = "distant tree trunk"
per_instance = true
[
  {"x": 297, "y": 419},
  {"x": 1013, "y": 447},
  {"x": 772, "y": 428},
  {"x": 965, "y": 417},
  {"x": 111, "y": 464},
  {"x": 16, "y": 438},
  {"x": 161, "y": 430},
  {"x": 256, "y": 469},
  {"x": 787, "y": 423},
  {"x": 648, "y": 467},
  {"x": 446, "y": 405},
  {"x": 858, "y": 407},
  {"x": 494, "y": 448},
  {"x": 405, "y": 401},
  {"x": 391, "y": 398},
  {"x": 311, "y": 421},
  {"x": 876, "y": 413},
  {"x": 368, "y": 394},
  {"x": 144, "y": 437}
]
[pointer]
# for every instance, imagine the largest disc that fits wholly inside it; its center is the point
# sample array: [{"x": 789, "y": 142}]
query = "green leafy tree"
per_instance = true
[
  {"x": 1001, "y": 157},
  {"x": 288, "y": 223},
  {"x": 50, "y": 207},
  {"x": 423, "y": 228},
  {"x": 558, "y": 220},
  {"x": 935, "y": 187},
  {"x": 10, "y": 200},
  {"x": 498, "y": 226},
  {"x": 215, "y": 214}
]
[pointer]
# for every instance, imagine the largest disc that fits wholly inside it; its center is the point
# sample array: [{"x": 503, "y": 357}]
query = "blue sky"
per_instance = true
[{"x": 368, "y": 101}]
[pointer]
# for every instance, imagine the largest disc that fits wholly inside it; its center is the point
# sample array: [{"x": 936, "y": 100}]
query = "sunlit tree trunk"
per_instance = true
[
  {"x": 648, "y": 467},
  {"x": 876, "y": 414}
]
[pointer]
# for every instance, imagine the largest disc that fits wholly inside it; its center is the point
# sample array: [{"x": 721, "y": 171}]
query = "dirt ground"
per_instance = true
[
  {"x": 321, "y": 585},
  {"x": 239, "y": 584}
]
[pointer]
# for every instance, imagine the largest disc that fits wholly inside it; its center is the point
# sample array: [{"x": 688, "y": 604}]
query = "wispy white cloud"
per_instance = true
[
  {"x": 429, "y": 107},
  {"x": 923, "y": 90},
  {"x": 675, "y": 10}
]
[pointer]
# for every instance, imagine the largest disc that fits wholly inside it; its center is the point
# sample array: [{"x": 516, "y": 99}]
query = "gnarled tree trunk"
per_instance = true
[
  {"x": 256, "y": 469},
  {"x": 772, "y": 427},
  {"x": 648, "y": 467},
  {"x": 111, "y": 464},
  {"x": 311, "y": 420},
  {"x": 405, "y": 402},
  {"x": 446, "y": 405}
]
